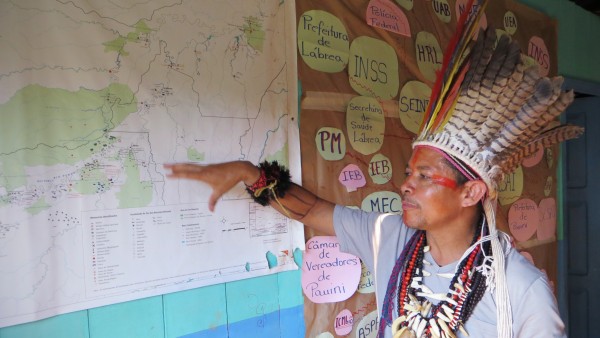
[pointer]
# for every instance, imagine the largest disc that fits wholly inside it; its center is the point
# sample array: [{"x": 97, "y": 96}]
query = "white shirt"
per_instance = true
[{"x": 378, "y": 239}]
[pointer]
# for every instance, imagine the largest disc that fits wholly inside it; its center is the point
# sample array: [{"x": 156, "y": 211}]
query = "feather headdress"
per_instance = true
[{"x": 488, "y": 110}]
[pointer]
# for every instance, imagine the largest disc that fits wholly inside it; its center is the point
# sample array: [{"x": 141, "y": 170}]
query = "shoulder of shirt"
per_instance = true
[{"x": 521, "y": 273}]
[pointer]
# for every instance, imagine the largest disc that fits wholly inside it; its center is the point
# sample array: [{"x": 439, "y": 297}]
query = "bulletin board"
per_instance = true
[{"x": 379, "y": 58}]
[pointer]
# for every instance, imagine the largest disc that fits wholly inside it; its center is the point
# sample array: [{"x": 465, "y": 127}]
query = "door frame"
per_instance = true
[{"x": 587, "y": 88}]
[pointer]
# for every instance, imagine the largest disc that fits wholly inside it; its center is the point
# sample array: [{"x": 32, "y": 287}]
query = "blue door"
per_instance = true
[{"x": 582, "y": 220}]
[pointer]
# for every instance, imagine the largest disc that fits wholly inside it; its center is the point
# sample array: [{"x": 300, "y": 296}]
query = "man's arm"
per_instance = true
[{"x": 298, "y": 203}]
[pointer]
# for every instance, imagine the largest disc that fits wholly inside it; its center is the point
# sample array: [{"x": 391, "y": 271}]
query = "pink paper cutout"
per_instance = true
[
  {"x": 523, "y": 219},
  {"x": 328, "y": 275},
  {"x": 539, "y": 52},
  {"x": 534, "y": 159},
  {"x": 344, "y": 322},
  {"x": 386, "y": 15},
  {"x": 352, "y": 177},
  {"x": 547, "y": 210}
]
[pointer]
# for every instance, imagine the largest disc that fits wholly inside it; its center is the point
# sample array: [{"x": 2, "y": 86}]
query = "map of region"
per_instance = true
[{"x": 95, "y": 98}]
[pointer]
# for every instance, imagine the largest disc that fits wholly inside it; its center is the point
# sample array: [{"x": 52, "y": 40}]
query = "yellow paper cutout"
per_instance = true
[
  {"x": 413, "y": 101},
  {"x": 380, "y": 169},
  {"x": 331, "y": 143},
  {"x": 382, "y": 201},
  {"x": 429, "y": 54},
  {"x": 549, "y": 157},
  {"x": 442, "y": 10},
  {"x": 367, "y": 281},
  {"x": 510, "y": 22},
  {"x": 365, "y": 124},
  {"x": 373, "y": 68},
  {"x": 323, "y": 42},
  {"x": 528, "y": 61},
  {"x": 407, "y": 4},
  {"x": 511, "y": 188},
  {"x": 367, "y": 326},
  {"x": 548, "y": 186}
]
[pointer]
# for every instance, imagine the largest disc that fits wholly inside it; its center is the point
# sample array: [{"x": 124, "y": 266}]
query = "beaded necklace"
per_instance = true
[{"x": 416, "y": 314}]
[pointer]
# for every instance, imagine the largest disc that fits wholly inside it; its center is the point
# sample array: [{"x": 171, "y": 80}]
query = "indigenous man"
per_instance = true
[
  {"x": 442, "y": 269},
  {"x": 438, "y": 200}
]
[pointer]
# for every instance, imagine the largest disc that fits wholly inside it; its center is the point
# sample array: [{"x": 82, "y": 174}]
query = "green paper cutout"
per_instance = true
[
  {"x": 413, "y": 101},
  {"x": 380, "y": 169},
  {"x": 510, "y": 22},
  {"x": 365, "y": 124},
  {"x": 382, "y": 201},
  {"x": 323, "y": 42},
  {"x": 442, "y": 10},
  {"x": 407, "y": 4},
  {"x": 429, "y": 55},
  {"x": 373, "y": 68},
  {"x": 511, "y": 188},
  {"x": 331, "y": 143}
]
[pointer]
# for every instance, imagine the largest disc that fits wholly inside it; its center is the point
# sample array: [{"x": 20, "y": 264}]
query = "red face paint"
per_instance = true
[
  {"x": 414, "y": 158},
  {"x": 443, "y": 181}
]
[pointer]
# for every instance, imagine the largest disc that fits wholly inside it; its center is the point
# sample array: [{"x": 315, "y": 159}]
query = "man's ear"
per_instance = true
[{"x": 473, "y": 192}]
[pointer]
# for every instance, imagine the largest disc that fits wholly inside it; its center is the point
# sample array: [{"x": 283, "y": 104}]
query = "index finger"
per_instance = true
[{"x": 183, "y": 169}]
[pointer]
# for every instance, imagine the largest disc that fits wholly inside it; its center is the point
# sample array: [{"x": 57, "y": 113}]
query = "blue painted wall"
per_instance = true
[
  {"x": 269, "y": 306},
  {"x": 578, "y": 36}
]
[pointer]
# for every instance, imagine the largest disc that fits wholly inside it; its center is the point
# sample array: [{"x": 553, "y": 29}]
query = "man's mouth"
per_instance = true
[{"x": 406, "y": 205}]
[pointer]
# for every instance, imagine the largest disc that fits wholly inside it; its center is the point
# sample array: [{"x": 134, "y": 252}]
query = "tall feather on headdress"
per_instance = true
[{"x": 453, "y": 69}]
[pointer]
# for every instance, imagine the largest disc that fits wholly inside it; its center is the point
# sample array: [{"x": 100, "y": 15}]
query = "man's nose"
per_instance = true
[{"x": 407, "y": 186}]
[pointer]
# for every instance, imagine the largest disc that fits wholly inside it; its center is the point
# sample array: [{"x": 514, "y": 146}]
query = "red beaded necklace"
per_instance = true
[{"x": 417, "y": 316}]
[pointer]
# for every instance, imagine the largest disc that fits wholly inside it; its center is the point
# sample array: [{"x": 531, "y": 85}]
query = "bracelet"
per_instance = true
[{"x": 273, "y": 182}]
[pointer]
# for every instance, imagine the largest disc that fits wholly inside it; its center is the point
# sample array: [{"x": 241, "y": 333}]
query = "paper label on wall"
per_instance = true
[
  {"x": 441, "y": 8},
  {"x": 429, "y": 54},
  {"x": 365, "y": 124},
  {"x": 385, "y": 15},
  {"x": 549, "y": 157},
  {"x": 373, "y": 68},
  {"x": 510, "y": 22},
  {"x": 407, "y": 4},
  {"x": 382, "y": 201},
  {"x": 344, "y": 322},
  {"x": 380, "y": 169},
  {"x": 548, "y": 186},
  {"x": 352, "y": 177},
  {"x": 331, "y": 143},
  {"x": 367, "y": 280},
  {"x": 533, "y": 159},
  {"x": 328, "y": 275},
  {"x": 322, "y": 41},
  {"x": 413, "y": 101},
  {"x": 368, "y": 326},
  {"x": 536, "y": 48},
  {"x": 511, "y": 187},
  {"x": 547, "y": 226},
  {"x": 523, "y": 219}
]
